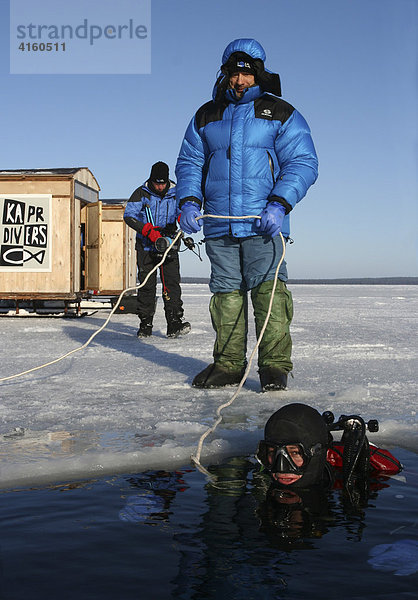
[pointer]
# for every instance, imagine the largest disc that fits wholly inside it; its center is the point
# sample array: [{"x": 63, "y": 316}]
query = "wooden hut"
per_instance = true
[{"x": 57, "y": 241}]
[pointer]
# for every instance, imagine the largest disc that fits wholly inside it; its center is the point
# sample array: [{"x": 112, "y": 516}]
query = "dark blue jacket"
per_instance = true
[
  {"x": 239, "y": 154},
  {"x": 145, "y": 206}
]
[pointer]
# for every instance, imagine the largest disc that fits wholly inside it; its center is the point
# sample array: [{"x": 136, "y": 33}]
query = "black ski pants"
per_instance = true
[{"x": 170, "y": 280}]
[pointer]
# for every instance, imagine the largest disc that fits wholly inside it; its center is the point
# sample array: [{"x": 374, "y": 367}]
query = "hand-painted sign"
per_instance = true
[{"x": 25, "y": 232}]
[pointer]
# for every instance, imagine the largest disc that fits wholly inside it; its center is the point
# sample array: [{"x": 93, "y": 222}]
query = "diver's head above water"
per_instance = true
[{"x": 294, "y": 448}]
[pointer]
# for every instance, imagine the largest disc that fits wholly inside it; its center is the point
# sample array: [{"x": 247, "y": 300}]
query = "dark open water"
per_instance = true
[{"x": 161, "y": 535}]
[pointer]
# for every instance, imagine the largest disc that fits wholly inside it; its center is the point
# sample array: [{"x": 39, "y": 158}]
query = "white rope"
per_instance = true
[
  {"x": 196, "y": 457},
  {"x": 226, "y": 217},
  {"x": 130, "y": 289},
  {"x": 91, "y": 338}
]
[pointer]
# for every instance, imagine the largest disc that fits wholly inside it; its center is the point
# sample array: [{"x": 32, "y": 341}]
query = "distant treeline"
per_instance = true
[{"x": 348, "y": 281}]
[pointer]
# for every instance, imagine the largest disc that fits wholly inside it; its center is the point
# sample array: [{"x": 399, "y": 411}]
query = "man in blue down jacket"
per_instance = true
[
  {"x": 246, "y": 152},
  {"x": 152, "y": 212}
]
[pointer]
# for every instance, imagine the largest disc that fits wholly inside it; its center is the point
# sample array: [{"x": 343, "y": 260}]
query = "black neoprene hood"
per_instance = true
[
  {"x": 296, "y": 423},
  {"x": 300, "y": 423}
]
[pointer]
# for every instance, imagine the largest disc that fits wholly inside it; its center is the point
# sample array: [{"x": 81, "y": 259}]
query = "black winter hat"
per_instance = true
[
  {"x": 300, "y": 423},
  {"x": 159, "y": 173},
  {"x": 239, "y": 62}
]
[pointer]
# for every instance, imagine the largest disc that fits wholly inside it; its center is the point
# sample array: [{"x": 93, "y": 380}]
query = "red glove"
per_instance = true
[{"x": 151, "y": 232}]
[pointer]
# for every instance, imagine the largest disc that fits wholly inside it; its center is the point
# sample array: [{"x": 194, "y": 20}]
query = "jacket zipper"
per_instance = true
[
  {"x": 271, "y": 167},
  {"x": 229, "y": 195}
]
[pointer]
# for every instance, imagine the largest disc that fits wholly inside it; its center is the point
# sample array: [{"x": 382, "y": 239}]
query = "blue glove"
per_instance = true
[
  {"x": 189, "y": 212},
  {"x": 271, "y": 219}
]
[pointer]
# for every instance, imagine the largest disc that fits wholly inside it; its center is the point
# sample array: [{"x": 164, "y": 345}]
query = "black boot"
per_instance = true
[
  {"x": 175, "y": 324},
  {"x": 145, "y": 328},
  {"x": 272, "y": 378},
  {"x": 178, "y": 327},
  {"x": 216, "y": 376}
]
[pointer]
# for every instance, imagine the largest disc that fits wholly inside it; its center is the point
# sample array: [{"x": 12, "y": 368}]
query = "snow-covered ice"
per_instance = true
[{"x": 124, "y": 405}]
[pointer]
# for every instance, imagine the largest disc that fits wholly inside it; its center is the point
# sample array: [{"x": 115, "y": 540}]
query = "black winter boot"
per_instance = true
[
  {"x": 272, "y": 378},
  {"x": 177, "y": 327},
  {"x": 216, "y": 376},
  {"x": 145, "y": 328}
]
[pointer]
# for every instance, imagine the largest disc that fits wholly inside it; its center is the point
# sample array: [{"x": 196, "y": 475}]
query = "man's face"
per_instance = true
[
  {"x": 297, "y": 458},
  {"x": 159, "y": 187},
  {"x": 240, "y": 82}
]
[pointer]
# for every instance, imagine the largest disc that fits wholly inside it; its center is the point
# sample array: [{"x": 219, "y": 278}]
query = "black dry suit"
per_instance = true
[{"x": 301, "y": 424}]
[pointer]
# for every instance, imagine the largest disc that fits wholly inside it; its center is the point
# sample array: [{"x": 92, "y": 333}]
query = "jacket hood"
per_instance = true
[{"x": 247, "y": 45}]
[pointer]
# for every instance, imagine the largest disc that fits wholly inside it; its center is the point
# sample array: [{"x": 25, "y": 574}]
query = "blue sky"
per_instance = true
[{"x": 349, "y": 66}]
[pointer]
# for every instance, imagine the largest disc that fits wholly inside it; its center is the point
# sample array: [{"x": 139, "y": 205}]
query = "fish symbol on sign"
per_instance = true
[{"x": 18, "y": 256}]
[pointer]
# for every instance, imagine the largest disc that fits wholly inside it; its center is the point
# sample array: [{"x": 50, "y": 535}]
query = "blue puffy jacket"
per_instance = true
[
  {"x": 144, "y": 206},
  {"x": 239, "y": 154}
]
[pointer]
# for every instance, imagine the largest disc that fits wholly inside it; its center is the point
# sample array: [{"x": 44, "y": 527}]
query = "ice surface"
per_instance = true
[{"x": 125, "y": 405}]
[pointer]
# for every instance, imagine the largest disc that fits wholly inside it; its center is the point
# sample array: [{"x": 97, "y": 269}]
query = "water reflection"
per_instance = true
[
  {"x": 156, "y": 491},
  {"x": 252, "y": 533},
  {"x": 248, "y": 538}
]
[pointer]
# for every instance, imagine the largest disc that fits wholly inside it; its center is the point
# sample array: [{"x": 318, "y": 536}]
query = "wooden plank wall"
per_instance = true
[{"x": 59, "y": 279}]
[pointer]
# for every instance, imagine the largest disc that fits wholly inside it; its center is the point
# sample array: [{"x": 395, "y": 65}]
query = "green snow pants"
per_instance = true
[
  {"x": 275, "y": 349},
  {"x": 229, "y": 313}
]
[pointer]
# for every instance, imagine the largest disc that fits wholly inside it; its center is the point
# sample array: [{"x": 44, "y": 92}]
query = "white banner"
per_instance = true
[{"x": 25, "y": 232}]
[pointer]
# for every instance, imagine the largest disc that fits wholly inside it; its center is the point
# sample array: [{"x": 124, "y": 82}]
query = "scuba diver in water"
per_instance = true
[
  {"x": 298, "y": 449},
  {"x": 294, "y": 453},
  {"x": 304, "y": 463},
  {"x": 294, "y": 449},
  {"x": 292, "y": 503}
]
